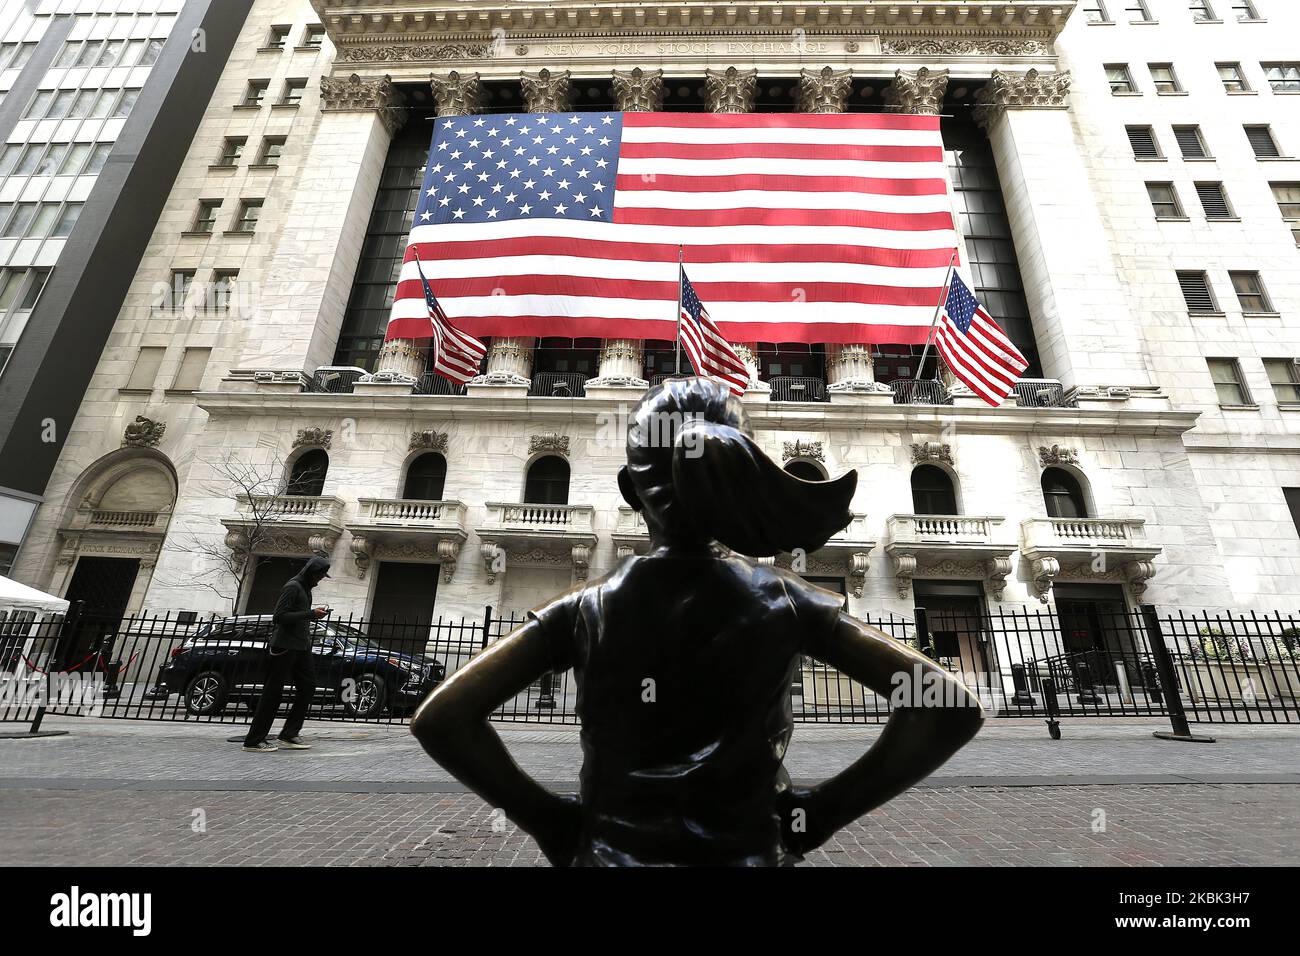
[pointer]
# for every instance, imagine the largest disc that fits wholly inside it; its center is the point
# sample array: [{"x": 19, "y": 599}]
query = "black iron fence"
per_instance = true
[{"x": 1083, "y": 662}]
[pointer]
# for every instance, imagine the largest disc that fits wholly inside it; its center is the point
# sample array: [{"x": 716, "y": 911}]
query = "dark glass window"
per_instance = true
[
  {"x": 932, "y": 491},
  {"x": 425, "y": 478},
  {"x": 567, "y": 355},
  {"x": 790, "y": 358},
  {"x": 547, "y": 482},
  {"x": 1063, "y": 495},
  {"x": 307, "y": 477}
]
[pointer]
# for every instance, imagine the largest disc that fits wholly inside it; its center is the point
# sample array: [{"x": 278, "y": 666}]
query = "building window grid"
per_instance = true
[
  {"x": 109, "y": 53},
  {"x": 271, "y": 151},
  {"x": 90, "y": 103},
  {"x": 1197, "y": 293},
  {"x": 1232, "y": 77},
  {"x": 1288, "y": 204},
  {"x": 1262, "y": 142},
  {"x": 294, "y": 88},
  {"x": 1120, "y": 79},
  {"x": 1251, "y": 294},
  {"x": 38, "y": 220},
  {"x": 1094, "y": 11},
  {"x": 1144, "y": 143},
  {"x": 1164, "y": 201},
  {"x": 1284, "y": 377},
  {"x": 255, "y": 93},
  {"x": 1214, "y": 200},
  {"x": 1164, "y": 78},
  {"x": 20, "y": 289},
  {"x": 232, "y": 148},
  {"x": 1137, "y": 12},
  {"x": 1229, "y": 384},
  {"x": 1191, "y": 142},
  {"x": 277, "y": 37},
  {"x": 1245, "y": 11},
  {"x": 1283, "y": 77},
  {"x": 205, "y": 221},
  {"x": 313, "y": 36},
  {"x": 250, "y": 210},
  {"x": 1202, "y": 12},
  {"x": 14, "y": 55}
]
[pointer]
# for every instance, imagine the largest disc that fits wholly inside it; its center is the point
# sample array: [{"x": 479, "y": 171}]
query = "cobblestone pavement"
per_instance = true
[
  {"x": 120, "y": 792},
  {"x": 1194, "y": 825}
]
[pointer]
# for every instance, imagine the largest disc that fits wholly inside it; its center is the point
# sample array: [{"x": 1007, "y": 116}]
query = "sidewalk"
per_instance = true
[{"x": 134, "y": 793}]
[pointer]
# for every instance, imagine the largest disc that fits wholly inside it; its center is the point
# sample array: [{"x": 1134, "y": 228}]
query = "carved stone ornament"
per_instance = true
[
  {"x": 429, "y": 441},
  {"x": 458, "y": 94},
  {"x": 414, "y": 52},
  {"x": 353, "y": 94},
  {"x": 554, "y": 443},
  {"x": 824, "y": 91},
  {"x": 997, "y": 570},
  {"x": 803, "y": 449},
  {"x": 931, "y": 451},
  {"x": 1137, "y": 573},
  {"x": 638, "y": 90},
  {"x": 143, "y": 432},
  {"x": 952, "y": 46},
  {"x": 1057, "y": 455},
  {"x": 547, "y": 92},
  {"x": 904, "y": 568},
  {"x": 1044, "y": 571},
  {"x": 361, "y": 553},
  {"x": 1029, "y": 90},
  {"x": 920, "y": 91},
  {"x": 730, "y": 90},
  {"x": 320, "y": 437}
]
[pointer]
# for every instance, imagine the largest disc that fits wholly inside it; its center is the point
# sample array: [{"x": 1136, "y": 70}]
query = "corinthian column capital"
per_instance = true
[
  {"x": 547, "y": 92},
  {"x": 731, "y": 90},
  {"x": 825, "y": 90},
  {"x": 917, "y": 92},
  {"x": 458, "y": 94},
  {"x": 638, "y": 90},
  {"x": 352, "y": 94},
  {"x": 1030, "y": 90}
]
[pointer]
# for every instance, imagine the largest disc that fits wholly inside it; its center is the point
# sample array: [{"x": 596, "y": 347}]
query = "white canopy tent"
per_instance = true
[{"x": 19, "y": 597}]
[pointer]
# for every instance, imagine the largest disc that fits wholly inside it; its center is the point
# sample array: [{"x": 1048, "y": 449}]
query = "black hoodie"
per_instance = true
[{"x": 293, "y": 612}]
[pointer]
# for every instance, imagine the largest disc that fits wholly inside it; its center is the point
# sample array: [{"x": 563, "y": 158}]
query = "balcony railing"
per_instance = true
[
  {"x": 1042, "y": 393},
  {"x": 1083, "y": 532},
  {"x": 943, "y": 529},
  {"x": 797, "y": 388},
  {"x": 559, "y": 385},
  {"x": 925, "y": 391},
  {"x": 408, "y": 512},
  {"x": 431, "y": 383},
  {"x": 132, "y": 520},
  {"x": 337, "y": 379},
  {"x": 526, "y": 517},
  {"x": 304, "y": 509}
]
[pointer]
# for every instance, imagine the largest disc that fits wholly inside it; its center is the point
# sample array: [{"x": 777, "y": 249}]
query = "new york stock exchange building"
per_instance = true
[{"x": 1125, "y": 209}]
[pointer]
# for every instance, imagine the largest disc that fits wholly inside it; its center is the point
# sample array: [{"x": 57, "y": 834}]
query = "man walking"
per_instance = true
[{"x": 289, "y": 660}]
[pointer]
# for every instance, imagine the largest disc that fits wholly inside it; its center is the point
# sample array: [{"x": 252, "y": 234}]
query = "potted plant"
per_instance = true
[{"x": 1223, "y": 667}]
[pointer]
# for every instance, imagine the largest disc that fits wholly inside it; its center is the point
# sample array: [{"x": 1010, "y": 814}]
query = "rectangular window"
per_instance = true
[
  {"x": 14, "y": 56},
  {"x": 47, "y": 215},
  {"x": 98, "y": 157},
  {"x": 1121, "y": 81},
  {"x": 147, "y": 363},
  {"x": 1284, "y": 376},
  {"x": 1283, "y": 77},
  {"x": 39, "y": 104},
  {"x": 313, "y": 37},
  {"x": 232, "y": 147},
  {"x": 1214, "y": 201},
  {"x": 9, "y": 158},
  {"x": 223, "y": 287},
  {"x": 1197, "y": 294},
  {"x": 1164, "y": 200},
  {"x": 1288, "y": 203},
  {"x": 255, "y": 92},
  {"x": 277, "y": 37},
  {"x": 89, "y": 53},
  {"x": 1250, "y": 293},
  {"x": 1262, "y": 142},
  {"x": 1094, "y": 11},
  {"x": 61, "y": 105},
  {"x": 21, "y": 217},
  {"x": 272, "y": 148},
  {"x": 1191, "y": 142},
  {"x": 250, "y": 210},
  {"x": 1143, "y": 141},
  {"x": 1234, "y": 80},
  {"x": 1228, "y": 383},
  {"x": 67, "y": 219},
  {"x": 111, "y": 53},
  {"x": 1245, "y": 10},
  {"x": 1137, "y": 11},
  {"x": 293, "y": 90},
  {"x": 190, "y": 373},
  {"x": 1164, "y": 77},
  {"x": 1201, "y": 11},
  {"x": 52, "y": 160},
  {"x": 182, "y": 280},
  {"x": 151, "y": 51},
  {"x": 126, "y": 103},
  {"x": 206, "y": 218}
]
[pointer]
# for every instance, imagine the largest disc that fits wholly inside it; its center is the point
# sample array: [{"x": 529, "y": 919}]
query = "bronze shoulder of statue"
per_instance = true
[{"x": 721, "y": 640}]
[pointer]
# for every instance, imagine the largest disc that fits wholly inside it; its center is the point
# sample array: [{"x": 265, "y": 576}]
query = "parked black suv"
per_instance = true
[{"x": 225, "y": 660}]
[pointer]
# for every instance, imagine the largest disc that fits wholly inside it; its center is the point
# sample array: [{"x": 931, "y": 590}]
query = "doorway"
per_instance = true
[
  {"x": 269, "y": 578},
  {"x": 103, "y": 585},
  {"x": 955, "y": 614},
  {"x": 1096, "y": 631},
  {"x": 402, "y": 606}
]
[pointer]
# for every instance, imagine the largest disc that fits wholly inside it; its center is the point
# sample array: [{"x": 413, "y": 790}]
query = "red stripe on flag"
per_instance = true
[
  {"x": 759, "y": 121},
  {"x": 838, "y": 152},
  {"x": 696, "y": 218}
]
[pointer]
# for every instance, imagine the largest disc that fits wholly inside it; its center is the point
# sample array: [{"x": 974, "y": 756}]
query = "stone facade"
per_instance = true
[{"x": 1190, "y": 494}]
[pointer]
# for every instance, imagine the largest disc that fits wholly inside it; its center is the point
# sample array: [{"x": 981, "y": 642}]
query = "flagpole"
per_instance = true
[
  {"x": 938, "y": 310},
  {"x": 677, "y": 343}
]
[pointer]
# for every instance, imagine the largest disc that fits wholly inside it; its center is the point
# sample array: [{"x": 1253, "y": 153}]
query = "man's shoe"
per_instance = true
[
  {"x": 293, "y": 743},
  {"x": 265, "y": 747}
]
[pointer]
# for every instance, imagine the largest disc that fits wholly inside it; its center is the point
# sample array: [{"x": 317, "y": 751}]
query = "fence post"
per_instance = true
[
  {"x": 1168, "y": 681},
  {"x": 923, "y": 632},
  {"x": 67, "y": 631},
  {"x": 1052, "y": 708},
  {"x": 487, "y": 625}
]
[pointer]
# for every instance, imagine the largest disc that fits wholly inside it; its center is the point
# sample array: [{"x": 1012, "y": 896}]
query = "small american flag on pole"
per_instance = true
[
  {"x": 709, "y": 352},
  {"x": 456, "y": 356},
  {"x": 976, "y": 350}
]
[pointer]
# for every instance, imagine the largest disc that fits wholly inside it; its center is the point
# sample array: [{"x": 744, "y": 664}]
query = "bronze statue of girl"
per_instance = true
[{"x": 684, "y": 658}]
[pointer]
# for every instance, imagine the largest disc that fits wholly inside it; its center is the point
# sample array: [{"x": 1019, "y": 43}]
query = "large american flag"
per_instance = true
[
  {"x": 456, "y": 356},
  {"x": 976, "y": 350},
  {"x": 797, "y": 227},
  {"x": 708, "y": 351}
]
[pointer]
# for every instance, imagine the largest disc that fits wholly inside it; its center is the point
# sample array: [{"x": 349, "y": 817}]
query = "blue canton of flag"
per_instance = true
[
  {"x": 530, "y": 166},
  {"x": 962, "y": 305}
]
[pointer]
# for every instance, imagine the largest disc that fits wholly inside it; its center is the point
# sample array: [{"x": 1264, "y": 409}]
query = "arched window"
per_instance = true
[
  {"x": 1063, "y": 494},
  {"x": 425, "y": 478},
  {"x": 932, "y": 491},
  {"x": 805, "y": 470},
  {"x": 547, "y": 482},
  {"x": 307, "y": 477}
]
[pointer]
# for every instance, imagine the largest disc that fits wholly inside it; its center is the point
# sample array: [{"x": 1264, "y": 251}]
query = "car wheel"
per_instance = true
[
  {"x": 365, "y": 698},
  {"x": 205, "y": 694}
]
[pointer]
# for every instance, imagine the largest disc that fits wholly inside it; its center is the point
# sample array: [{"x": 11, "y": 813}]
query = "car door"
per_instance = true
[
  {"x": 249, "y": 643},
  {"x": 329, "y": 660}
]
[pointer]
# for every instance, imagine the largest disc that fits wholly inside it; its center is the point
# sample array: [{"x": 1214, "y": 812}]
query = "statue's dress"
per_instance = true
[{"x": 684, "y": 663}]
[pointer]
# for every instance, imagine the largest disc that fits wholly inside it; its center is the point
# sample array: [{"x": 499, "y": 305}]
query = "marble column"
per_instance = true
[
  {"x": 917, "y": 91},
  {"x": 733, "y": 91},
  {"x": 1088, "y": 336},
  {"x": 622, "y": 361},
  {"x": 402, "y": 361}
]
